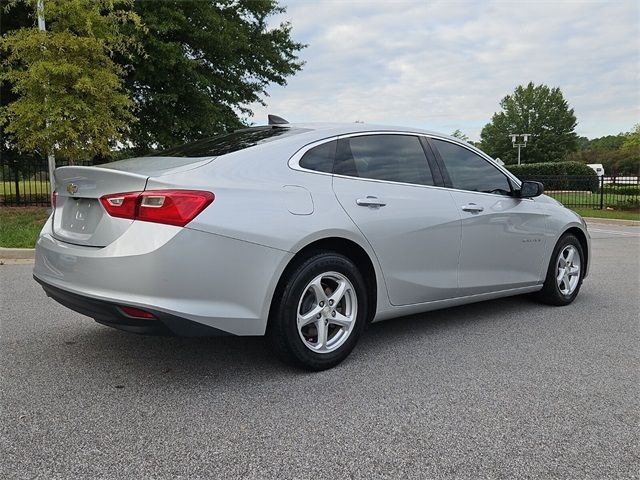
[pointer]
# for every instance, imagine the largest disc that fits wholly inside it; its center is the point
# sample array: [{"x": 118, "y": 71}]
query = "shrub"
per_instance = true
[
  {"x": 558, "y": 175},
  {"x": 622, "y": 189}
]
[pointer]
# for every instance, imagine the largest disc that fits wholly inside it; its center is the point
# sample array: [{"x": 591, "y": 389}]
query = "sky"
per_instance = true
[{"x": 445, "y": 65}]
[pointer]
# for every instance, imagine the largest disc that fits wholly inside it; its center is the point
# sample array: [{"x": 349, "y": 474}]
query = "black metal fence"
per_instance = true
[
  {"x": 617, "y": 192},
  {"x": 24, "y": 181}
]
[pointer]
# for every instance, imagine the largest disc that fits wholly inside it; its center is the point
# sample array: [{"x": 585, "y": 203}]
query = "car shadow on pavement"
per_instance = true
[{"x": 224, "y": 360}]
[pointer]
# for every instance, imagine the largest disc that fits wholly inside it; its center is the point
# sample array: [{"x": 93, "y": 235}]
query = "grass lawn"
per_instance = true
[
  {"x": 20, "y": 226},
  {"x": 26, "y": 186},
  {"x": 618, "y": 214},
  {"x": 586, "y": 198}
]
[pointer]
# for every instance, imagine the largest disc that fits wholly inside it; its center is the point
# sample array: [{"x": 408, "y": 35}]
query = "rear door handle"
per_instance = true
[
  {"x": 370, "y": 201},
  {"x": 472, "y": 207}
]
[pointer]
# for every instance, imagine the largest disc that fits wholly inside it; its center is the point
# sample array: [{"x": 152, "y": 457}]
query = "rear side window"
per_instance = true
[
  {"x": 230, "y": 142},
  {"x": 469, "y": 171},
  {"x": 395, "y": 158},
  {"x": 320, "y": 158}
]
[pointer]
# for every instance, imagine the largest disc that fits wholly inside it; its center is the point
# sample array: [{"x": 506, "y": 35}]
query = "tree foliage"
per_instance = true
[
  {"x": 632, "y": 140},
  {"x": 204, "y": 63},
  {"x": 183, "y": 69},
  {"x": 70, "y": 94},
  {"x": 619, "y": 154},
  {"x": 460, "y": 135},
  {"x": 537, "y": 110}
]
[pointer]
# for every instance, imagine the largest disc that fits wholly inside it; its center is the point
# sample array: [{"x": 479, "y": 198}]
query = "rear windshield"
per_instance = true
[{"x": 230, "y": 142}]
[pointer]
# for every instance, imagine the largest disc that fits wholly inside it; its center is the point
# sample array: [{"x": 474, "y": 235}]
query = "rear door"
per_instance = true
[
  {"x": 386, "y": 186},
  {"x": 503, "y": 237}
]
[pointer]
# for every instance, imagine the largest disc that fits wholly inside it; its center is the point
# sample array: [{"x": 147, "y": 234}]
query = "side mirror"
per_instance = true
[{"x": 530, "y": 189}]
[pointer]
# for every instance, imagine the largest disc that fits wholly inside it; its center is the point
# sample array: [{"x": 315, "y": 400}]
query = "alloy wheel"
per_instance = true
[
  {"x": 568, "y": 270},
  {"x": 327, "y": 312}
]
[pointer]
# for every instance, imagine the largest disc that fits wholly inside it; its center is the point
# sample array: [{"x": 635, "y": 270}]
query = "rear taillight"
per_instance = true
[
  {"x": 173, "y": 207},
  {"x": 54, "y": 197}
]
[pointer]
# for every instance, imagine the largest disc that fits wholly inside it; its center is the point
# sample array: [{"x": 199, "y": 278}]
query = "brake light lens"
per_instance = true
[
  {"x": 171, "y": 207},
  {"x": 54, "y": 198}
]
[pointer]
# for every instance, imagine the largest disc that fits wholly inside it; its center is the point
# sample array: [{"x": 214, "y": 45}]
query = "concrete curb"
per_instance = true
[
  {"x": 612, "y": 221},
  {"x": 17, "y": 253}
]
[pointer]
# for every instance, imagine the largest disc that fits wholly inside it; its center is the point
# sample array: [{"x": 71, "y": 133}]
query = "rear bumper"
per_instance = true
[
  {"x": 109, "y": 314},
  {"x": 184, "y": 277}
]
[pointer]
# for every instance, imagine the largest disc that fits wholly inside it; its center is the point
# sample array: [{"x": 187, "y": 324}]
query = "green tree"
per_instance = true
[
  {"x": 459, "y": 134},
  {"x": 70, "y": 94},
  {"x": 540, "y": 111},
  {"x": 204, "y": 63},
  {"x": 619, "y": 154},
  {"x": 632, "y": 140}
]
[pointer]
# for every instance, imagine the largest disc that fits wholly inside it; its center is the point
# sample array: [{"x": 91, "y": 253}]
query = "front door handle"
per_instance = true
[
  {"x": 472, "y": 207},
  {"x": 370, "y": 201}
]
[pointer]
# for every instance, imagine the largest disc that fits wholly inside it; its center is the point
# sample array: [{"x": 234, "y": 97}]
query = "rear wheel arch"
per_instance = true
[{"x": 342, "y": 246}]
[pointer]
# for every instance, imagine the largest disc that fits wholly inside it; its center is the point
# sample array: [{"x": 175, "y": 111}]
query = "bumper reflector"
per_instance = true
[{"x": 136, "y": 312}]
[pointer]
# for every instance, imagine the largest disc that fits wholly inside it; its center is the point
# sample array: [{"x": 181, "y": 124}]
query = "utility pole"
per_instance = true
[
  {"x": 51, "y": 158},
  {"x": 519, "y": 144}
]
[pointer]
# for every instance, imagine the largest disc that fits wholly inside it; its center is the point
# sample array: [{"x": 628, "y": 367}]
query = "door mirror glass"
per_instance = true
[{"x": 530, "y": 189}]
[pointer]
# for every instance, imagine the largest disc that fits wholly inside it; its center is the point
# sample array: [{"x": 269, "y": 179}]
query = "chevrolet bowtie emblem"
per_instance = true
[{"x": 72, "y": 188}]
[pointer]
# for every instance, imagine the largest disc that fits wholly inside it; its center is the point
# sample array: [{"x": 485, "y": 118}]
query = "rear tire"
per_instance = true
[
  {"x": 319, "y": 311},
  {"x": 565, "y": 272}
]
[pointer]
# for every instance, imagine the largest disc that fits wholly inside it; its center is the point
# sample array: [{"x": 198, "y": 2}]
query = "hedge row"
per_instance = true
[
  {"x": 558, "y": 175},
  {"x": 622, "y": 189}
]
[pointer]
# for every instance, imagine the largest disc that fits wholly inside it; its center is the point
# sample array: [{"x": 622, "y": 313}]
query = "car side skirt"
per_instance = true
[{"x": 451, "y": 302}]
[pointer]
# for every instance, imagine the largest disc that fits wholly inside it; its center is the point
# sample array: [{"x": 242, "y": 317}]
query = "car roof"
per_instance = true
[{"x": 318, "y": 131}]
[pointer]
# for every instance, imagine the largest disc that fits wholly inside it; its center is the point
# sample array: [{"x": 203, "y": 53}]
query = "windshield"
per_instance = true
[{"x": 230, "y": 142}]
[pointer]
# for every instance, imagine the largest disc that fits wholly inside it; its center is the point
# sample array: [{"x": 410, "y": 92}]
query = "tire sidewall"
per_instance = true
[
  {"x": 287, "y": 314},
  {"x": 551, "y": 281}
]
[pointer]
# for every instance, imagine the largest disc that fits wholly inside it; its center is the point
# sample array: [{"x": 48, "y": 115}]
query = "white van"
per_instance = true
[{"x": 597, "y": 167}]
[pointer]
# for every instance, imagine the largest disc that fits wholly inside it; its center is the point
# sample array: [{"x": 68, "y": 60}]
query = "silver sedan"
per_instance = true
[{"x": 303, "y": 233}]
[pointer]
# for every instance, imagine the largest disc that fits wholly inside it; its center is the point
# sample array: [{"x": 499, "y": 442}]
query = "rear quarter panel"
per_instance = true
[{"x": 260, "y": 199}]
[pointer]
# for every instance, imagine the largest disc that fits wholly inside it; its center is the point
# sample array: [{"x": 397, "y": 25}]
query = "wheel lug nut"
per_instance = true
[
  {"x": 322, "y": 304},
  {"x": 330, "y": 302},
  {"x": 318, "y": 316},
  {"x": 333, "y": 314}
]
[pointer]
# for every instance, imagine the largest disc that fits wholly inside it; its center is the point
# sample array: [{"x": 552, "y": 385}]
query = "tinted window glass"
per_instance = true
[
  {"x": 396, "y": 158},
  {"x": 469, "y": 171},
  {"x": 230, "y": 142},
  {"x": 320, "y": 158}
]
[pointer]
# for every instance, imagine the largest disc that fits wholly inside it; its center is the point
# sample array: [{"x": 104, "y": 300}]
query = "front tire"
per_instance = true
[
  {"x": 565, "y": 272},
  {"x": 320, "y": 313}
]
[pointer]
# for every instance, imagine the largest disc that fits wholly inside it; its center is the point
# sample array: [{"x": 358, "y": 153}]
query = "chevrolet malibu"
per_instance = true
[{"x": 303, "y": 233}]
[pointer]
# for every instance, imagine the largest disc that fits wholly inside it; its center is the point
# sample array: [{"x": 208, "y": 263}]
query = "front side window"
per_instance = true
[
  {"x": 395, "y": 158},
  {"x": 469, "y": 171}
]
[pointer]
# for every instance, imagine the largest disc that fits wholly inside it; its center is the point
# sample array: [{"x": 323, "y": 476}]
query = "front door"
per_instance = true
[{"x": 503, "y": 237}]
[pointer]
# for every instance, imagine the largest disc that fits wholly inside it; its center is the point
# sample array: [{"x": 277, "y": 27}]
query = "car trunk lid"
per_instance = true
[{"x": 80, "y": 218}]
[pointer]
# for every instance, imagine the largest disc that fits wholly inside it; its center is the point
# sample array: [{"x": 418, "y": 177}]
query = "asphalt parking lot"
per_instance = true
[{"x": 502, "y": 389}]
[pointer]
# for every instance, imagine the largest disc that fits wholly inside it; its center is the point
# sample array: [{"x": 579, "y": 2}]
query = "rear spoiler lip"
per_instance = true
[{"x": 94, "y": 182}]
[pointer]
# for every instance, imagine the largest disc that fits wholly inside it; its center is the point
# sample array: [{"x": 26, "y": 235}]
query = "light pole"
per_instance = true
[
  {"x": 523, "y": 143},
  {"x": 51, "y": 159}
]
